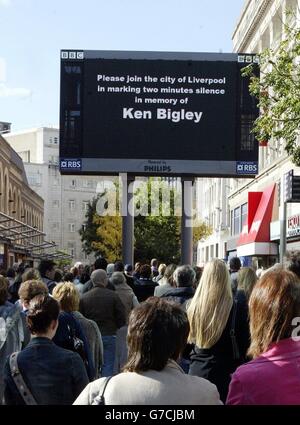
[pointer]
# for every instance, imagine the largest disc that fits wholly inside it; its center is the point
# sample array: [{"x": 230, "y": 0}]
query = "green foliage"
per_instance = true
[
  {"x": 155, "y": 235},
  {"x": 278, "y": 91}
]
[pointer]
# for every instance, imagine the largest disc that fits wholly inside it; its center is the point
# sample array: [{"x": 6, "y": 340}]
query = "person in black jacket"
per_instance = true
[
  {"x": 184, "y": 277},
  {"x": 219, "y": 328},
  {"x": 144, "y": 287},
  {"x": 53, "y": 375}
]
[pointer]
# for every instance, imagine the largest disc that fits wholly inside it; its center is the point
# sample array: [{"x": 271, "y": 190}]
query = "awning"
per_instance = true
[
  {"x": 255, "y": 236},
  {"x": 28, "y": 240}
]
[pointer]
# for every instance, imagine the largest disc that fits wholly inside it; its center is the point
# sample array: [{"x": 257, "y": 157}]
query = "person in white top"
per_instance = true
[{"x": 157, "y": 334}]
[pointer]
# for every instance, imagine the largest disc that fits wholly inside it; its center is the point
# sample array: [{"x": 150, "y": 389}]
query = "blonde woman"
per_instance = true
[
  {"x": 246, "y": 280},
  {"x": 218, "y": 328},
  {"x": 67, "y": 295}
]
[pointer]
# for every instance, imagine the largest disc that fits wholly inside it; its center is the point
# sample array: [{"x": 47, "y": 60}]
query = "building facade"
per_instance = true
[
  {"x": 255, "y": 206},
  {"x": 21, "y": 209},
  {"x": 66, "y": 197}
]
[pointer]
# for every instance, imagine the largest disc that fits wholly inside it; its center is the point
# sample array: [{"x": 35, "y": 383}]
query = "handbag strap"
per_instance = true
[
  {"x": 19, "y": 381},
  {"x": 99, "y": 399}
]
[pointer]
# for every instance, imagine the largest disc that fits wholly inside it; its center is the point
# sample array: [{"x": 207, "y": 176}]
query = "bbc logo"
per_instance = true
[{"x": 72, "y": 55}]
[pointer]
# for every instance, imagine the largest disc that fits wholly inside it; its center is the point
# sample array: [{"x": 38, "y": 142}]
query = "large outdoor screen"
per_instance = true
[{"x": 156, "y": 113}]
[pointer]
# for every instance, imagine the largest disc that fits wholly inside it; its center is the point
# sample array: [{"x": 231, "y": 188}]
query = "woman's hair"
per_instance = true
[
  {"x": 246, "y": 280},
  {"x": 168, "y": 274},
  {"x": 161, "y": 268},
  {"x": 274, "y": 302},
  {"x": 210, "y": 307},
  {"x": 3, "y": 289},
  {"x": 32, "y": 288},
  {"x": 43, "y": 309},
  {"x": 157, "y": 331},
  {"x": 67, "y": 295},
  {"x": 31, "y": 274}
]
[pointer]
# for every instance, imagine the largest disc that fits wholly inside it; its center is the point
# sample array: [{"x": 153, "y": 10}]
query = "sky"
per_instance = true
[{"x": 32, "y": 33}]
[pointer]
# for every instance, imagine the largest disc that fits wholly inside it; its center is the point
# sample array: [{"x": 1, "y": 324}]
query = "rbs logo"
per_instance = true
[
  {"x": 70, "y": 164},
  {"x": 246, "y": 168}
]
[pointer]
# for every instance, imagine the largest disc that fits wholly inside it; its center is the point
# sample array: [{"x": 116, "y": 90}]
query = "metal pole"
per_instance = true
[
  {"x": 127, "y": 221},
  {"x": 283, "y": 232},
  {"x": 283, "y": 211},
  {"x": 186, "y": 221}
]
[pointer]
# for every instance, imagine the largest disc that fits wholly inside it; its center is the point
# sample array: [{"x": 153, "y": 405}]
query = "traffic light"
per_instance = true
[{"x": 291, "y": 187}]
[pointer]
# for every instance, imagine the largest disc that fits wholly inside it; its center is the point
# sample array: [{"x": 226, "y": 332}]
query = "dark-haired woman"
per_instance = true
[
  {"x": 273, "y": 376},
  {"x": 157, "y": 334},
  {"x": 53, "y": 375}
]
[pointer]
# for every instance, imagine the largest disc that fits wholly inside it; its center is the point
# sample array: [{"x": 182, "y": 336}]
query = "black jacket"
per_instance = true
[
  {"x": 217, "y": 363},
  {"x": 179, "y": 295},
  {"x": 144, "y": 288}
]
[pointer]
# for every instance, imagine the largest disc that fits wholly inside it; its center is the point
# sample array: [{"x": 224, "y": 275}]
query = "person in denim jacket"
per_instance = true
[{"x": 54, "y": 376}]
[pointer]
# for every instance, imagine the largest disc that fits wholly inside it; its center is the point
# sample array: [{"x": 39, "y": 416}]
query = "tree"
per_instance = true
[
  {"x": 156, "y": 230},
  {"x": 278, "y": 91},
  {"x": 101, "y": 234}
]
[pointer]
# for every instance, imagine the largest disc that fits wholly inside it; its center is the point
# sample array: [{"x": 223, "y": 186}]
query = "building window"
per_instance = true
[
  {"x": 237, "y": 221},
  {"x": 55, "y": 140},
  {"x": 71, "y": 227},
  {"x": 85, "y": 205},
  {"x": 34, "y": 179},
  {"x": 71, "y": 249},
  {"x": 72, "y": 204},
  {"x": 25, "y": 155},
  {"x": 244, "y": 214},
  {"x": 73, "y": 183},
  {"x": 56, "y": 204},
  {"x": 55, "y": 226}
]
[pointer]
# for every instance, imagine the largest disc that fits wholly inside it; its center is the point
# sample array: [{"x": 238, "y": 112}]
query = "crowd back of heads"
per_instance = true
[
  {"x": 210, "y": 307},
  {"x": 100, "y": 264},
  {"x": 67, "y": 295},
  {"x": 43, "y": 310},
  {"x": 168, "y": 275},
  {"x": 246, "y": 280},
  {"x": 184, "y": 276},
  {"x": 145, "y": 271},
  {"x": 45, "y": 267},
  {"x": 273, "y": 304},
  {"x": 31, "y": 288},
  {"x": 99, "y": 278},
  {"x": 117, "y": 278},
  {"x": 150, "y": 323},
  {"x": 292, "y": 262},
  {"x": 31, "y": 274},
  {"x": 234, "y": 264}
]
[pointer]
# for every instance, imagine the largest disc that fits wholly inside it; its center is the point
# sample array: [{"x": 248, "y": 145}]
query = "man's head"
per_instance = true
[
  {"x": 100, "y": 264},
  {"x": 119, "y": 266},
  {"x": 234, "y": 264},
  {"x": 99, "y": 278},
  {"x": 154, "y": 263},
  {"x": 118, "y": 278},
  {"x": 184, "y": 276},
  {"x": 47, "y": 269},
  {"x": 145, "y": 272},
  {"x": 292, "y": 262}
]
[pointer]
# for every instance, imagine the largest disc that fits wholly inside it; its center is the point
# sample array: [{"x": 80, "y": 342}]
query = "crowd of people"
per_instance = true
[{"x": 150, "y": 334}]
